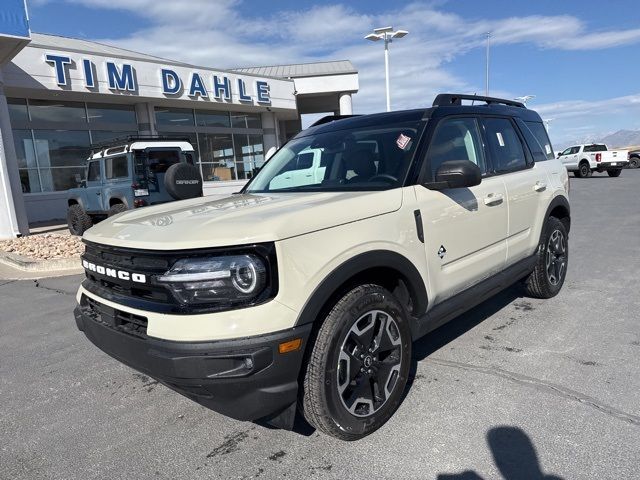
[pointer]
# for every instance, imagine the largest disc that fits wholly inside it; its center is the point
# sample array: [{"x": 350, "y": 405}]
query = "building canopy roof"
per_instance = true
[{"x": 299, "y": 70}]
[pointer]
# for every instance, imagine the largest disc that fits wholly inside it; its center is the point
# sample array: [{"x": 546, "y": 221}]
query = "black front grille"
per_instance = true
[
  {"x": 125, "y": 322},
  {"x": 130, "y": 261}
]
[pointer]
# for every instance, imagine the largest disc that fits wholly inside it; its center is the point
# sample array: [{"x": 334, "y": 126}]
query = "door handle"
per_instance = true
[
  {"x": 540, "y": 187},
  {"x": 97, "y": 193},
  {"x": 493, "y": 199}
]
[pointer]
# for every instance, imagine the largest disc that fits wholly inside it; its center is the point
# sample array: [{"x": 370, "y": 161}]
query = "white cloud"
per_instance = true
[{"x": 216, "y": 33}]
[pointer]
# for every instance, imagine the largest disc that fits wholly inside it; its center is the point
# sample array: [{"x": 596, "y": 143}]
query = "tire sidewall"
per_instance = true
[
  {"x": 345, "y": 421},
  {"x": 586, "y": 172},
  {"x": 75, "y": 222}
]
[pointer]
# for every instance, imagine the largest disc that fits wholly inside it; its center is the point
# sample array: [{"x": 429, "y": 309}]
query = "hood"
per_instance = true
[{"x": 239, "y": 219}]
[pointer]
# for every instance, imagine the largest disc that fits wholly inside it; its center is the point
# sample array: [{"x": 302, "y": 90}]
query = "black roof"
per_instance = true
[{"x": 444, "y": 105}]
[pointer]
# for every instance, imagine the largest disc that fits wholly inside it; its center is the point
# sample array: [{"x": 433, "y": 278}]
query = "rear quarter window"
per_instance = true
[{"x": 540, "y": 141}]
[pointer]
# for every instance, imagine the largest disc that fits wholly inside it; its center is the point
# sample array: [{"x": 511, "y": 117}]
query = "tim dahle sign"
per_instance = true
[{"x": 121, "y": 77}]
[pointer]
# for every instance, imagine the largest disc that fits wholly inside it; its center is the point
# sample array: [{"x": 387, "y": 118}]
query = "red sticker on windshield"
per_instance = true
[{"x": 403, "y": 141}]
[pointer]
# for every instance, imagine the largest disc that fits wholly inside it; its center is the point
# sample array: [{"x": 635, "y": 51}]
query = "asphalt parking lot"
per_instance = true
[{"x": 517, "y": 388}]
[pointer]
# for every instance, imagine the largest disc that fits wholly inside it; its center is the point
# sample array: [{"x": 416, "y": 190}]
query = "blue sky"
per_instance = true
[{"x": 580, "y": 58}]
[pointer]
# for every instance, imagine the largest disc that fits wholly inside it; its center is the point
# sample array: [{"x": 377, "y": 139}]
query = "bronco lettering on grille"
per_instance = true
[{"x": 112, "y": 272}]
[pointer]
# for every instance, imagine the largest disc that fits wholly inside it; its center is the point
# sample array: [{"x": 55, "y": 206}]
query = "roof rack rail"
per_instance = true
[
  {"x": 330, "y": 118},
  {"x": 448, "y": 99},
  {"x": 128, "y": 139}
]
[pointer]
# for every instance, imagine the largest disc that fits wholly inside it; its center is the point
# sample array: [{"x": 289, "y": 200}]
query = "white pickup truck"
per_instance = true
[{"x": 583, "y": 160}]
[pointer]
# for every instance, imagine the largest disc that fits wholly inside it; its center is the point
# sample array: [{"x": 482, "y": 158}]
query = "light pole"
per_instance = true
[
  {"x": 524, "y": 99},
  {"x": 486, "y": 80},
  {"x": 387, "y": 34},
  {"x": 547, "y": 121}
]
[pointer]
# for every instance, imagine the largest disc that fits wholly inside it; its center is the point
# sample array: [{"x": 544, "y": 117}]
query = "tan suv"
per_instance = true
[{"x": 305, "y": 291}]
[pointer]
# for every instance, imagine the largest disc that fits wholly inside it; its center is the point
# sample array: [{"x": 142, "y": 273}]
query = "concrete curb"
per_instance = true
[{"x": 40, "y": 266}]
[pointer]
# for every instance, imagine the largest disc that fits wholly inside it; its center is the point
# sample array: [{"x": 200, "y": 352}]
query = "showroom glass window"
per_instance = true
[
  {"x": 53, "y": 138},
  {"x": 228, "y": 146}
]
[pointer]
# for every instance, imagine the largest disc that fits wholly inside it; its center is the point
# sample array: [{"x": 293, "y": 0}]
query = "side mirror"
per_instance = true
[
  {"x": 83, "y": 183},
  {"x": 456, "y": 174}
]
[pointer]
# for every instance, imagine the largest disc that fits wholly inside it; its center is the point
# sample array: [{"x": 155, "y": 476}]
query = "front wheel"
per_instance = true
[
  {"x": 548, "y": 276},
  {"x": 614, "y": 173},
  {"x": 358, "y": 366}
]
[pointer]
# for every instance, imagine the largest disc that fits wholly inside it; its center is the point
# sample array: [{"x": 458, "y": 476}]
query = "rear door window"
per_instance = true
[
  {"x": 116, "y": 167},
  {"x": 159, "y": 161},
  {"x": 505, "y": 147}
]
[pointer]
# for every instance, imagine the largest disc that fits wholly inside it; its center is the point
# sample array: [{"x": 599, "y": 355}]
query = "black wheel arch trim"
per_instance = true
[
  {"x": 359, "y": 264},
  {"x": 561, "y": 202}
]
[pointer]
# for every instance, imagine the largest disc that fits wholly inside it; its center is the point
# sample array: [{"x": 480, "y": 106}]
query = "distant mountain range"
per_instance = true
[{"x": 619, "y": 139}]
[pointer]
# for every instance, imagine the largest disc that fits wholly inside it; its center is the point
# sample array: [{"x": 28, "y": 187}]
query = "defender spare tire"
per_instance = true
[{"x": 183, "y": 181}]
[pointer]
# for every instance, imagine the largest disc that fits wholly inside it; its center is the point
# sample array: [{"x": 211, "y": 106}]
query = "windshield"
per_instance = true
[{"x": 371, "y": 158}]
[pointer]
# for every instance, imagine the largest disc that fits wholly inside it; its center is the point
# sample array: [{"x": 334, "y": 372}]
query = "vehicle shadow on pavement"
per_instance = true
[
  {"x": 513, "y": 454},
  {"x": 432, "y": 342}
]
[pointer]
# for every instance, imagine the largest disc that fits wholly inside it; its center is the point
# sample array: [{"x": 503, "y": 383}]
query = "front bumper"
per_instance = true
[{"x": 244, "y": 378}]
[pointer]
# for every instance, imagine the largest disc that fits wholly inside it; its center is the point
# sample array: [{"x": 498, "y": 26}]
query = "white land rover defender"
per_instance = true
[{"x": 304, "y": 292}]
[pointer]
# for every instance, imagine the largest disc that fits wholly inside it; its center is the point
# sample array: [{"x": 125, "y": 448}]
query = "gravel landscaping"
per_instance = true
[{"x": 44, "y": 247}]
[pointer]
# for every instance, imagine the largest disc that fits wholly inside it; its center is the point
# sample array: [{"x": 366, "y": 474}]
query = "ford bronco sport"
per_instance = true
[
  {"x": 131, "y": 173},
  {"x": 305, "y": 295}
]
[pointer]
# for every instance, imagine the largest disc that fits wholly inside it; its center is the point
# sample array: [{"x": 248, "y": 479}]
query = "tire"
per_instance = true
[
  {"x": 117, "y": 208},
  {"x": 584, "y": 170},
  {"x": 78, "y": 220},
  {"x": 614, "y": 173},
  {"x": 550, "y": 271},
  {"x": 347, "y": 406},
  {"x": 634, "y": 162}
]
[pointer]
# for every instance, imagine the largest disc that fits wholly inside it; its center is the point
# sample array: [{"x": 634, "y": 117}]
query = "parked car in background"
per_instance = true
[
  {"x": 583, "y": 160},
  {"x": 132, "y": 173},
  {"x": 634, "y": 159}
]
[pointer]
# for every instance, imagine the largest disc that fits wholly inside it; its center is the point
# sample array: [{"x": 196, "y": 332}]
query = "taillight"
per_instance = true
[
  {"x": 138, "y": 202},
  {"x": 598, "y": 157}
]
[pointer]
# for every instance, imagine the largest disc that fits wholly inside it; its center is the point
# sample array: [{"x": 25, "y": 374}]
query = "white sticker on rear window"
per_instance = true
[
  {"x": 547, "y": 148},
  {"x": 500, "y": 139},
  {"x": 403, "y": 141}
]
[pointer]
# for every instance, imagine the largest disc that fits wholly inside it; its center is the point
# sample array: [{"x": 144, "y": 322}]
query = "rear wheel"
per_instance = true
[
  {"x": 634, "y": 162},
  {"x": 117, "y": 208},
  {"x": 614, "y": 173},
  {"x": 584, "y": 170},
  {"x": 548, "y": 276},
  {"x": 358, "y": 366},
  {"x": 78, "y": 220}
]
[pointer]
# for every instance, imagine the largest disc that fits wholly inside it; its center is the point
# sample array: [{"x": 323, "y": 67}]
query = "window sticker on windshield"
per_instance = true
[
  {"x": 500, "y": 139},
  {"x": 403, "y": 142},
  {"x": 547, "y": 148}
]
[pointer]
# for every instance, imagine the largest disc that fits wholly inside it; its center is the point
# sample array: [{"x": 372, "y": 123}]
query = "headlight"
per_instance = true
[{"x": 223, "y": 280}]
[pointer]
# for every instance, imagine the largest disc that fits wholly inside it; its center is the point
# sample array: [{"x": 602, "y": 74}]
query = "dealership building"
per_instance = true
[{"x": 59, "y": 96}]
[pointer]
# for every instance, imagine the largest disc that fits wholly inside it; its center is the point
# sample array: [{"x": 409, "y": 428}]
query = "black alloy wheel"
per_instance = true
[
  {"x": 369, "y": 363},
  {"x": 556, "y": 257},
  {"x": 584, "y": 170}
]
